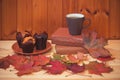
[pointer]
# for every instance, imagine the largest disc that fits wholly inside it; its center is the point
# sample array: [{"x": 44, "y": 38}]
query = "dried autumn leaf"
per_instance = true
[
  {"x": 75, "y": 68},
  {"x": 25, "y": 69},
  {"x": 86, "y": 37},
  {"x": 55, "y": 67},
  {"x": 36, "y": 61},
  {"x": 40, "y": 60},
  {"x": 98, "y": 68},
  {"x": 17, "y": 60},
  {"x": 36, "y": 68},
  {"x": 95, "y": 45},
  {"x": 105, "y": 58},
  {"x": 81, "y": 56},
  {"x": 4, "y": 63},
  {"x": 102, "y": 42},
  {"x": 17, "y": 57},
  {"x": 57, "y": 57},
  {"x": 72, "y": 58},
  {"x": 99, "y": 52},
  {"x": 44, "y": 60},
  {"x": 91, "y": 41}
]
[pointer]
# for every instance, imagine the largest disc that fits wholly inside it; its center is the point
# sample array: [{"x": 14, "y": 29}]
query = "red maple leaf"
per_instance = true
[
  {"x": 40, "y": 60},
  {"x": 72, "y": 58},
  {"x": 36, "y": 68},
  {"x": 25, "y": 69},
  {"x": 55, "y": 67},
  {"x": 17, "y": 57},
  {"x": 24, "y": 64},
  {"x": 4, "y": 63},
  {"x": 17, "y": 60},
  {"x": 98, "y": 68},
  {"x": 99, "y": 52},
  {"x": 105, "y": 58},
  {"x": 75, "y": 68}
]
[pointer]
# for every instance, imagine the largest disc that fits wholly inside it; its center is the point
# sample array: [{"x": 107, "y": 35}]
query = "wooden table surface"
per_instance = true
[{"x": 9, "y": 74}]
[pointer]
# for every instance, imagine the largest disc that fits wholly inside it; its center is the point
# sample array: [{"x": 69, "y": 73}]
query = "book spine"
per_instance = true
[
  {"x": 69, "y": 49},
  {"x": 67, "y": 42}
]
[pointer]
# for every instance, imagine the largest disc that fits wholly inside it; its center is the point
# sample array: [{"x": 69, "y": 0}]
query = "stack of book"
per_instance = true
[{"x": 66, "y": 43}]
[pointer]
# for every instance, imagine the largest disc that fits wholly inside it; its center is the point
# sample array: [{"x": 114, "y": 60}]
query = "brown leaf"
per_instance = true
[
  {"x": 36, "y": 68},
  {"x": 17, "y": 60},
  {"x": 40, "y": 60},
  {"x": 72, "y": 58},
  {"x": 55, "y": 67},
  {"x": 75, "y": 68},
  {"x": 4, "y": 63},
  {"x": 25, "y": 69},
  {"x": 99, "y": 52},
  {"x": 81, "y": 56},
  {"x": 91, "y": 40},
  {"x": 98, "y": 68},
  {"x": 105, "y": 58}
]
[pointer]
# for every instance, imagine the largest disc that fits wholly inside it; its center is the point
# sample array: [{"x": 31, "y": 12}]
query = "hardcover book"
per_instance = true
[{"x": 62, "y": 37}]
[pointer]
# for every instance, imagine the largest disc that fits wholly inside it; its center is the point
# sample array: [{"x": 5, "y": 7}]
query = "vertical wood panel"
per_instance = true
[
  {"x": 54, "y": 15},
  {"x": 101, "y": 18},
  {"x": 98, "y": 12},
  {"x": 24, "y": 15},
  {"x": 0, "y": 19},
  {"x": 69, "y": 6},
  {"x": 39, "y": 16},
  {"x": 8, "y": 19},
  {"x": 84, "y": 4},
  {"x": 114, "y": 31},
  {"x": 87, "y": 8}
]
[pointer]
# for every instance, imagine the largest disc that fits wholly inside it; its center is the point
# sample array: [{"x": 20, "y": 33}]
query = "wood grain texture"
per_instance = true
[
  {"x": 24, "y": 15},
  {"x": 40, "y": 16},
  {"x": 101, "y": 18},
  {"x": 0, "y": 19},
  {"x": 114, "y": 28},
  {"x": 98, "y": 12},
  {"x": 8, "y": 19},
  {"x": 54, "y": 15},
  {"x": 87, "y": 8},
  {"x": 68, "y": 6}
]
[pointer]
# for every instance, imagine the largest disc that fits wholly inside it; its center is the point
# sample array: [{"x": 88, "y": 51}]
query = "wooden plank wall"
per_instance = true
[
  {"x": 24, "y": 15},
  {"x": 98, "y": 12},
  {"x": 114, "y": 28},
  {"x": 0, "y": 19},
  {"x": 54, "y": 15},
  {"x": 9, "y": 23},
  {"x": 69, "y": 6},
  {"x": 40, "y": 22},
  {"x": 48, "y": 15}
]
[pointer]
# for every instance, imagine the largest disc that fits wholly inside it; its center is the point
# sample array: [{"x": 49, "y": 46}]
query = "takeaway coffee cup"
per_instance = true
[{"x": 75, "y": 23}]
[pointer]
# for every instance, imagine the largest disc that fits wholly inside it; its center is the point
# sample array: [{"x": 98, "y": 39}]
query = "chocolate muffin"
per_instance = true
[
  {"x": 19, "y": 38},
  {"x": 28, "y": 44},
  {"x": 44, "y": 36},
  {"x": 41, "y": 40}
]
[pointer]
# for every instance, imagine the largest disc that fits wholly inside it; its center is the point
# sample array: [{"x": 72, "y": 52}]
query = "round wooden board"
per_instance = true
[{"x": 18, "y": 50}]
